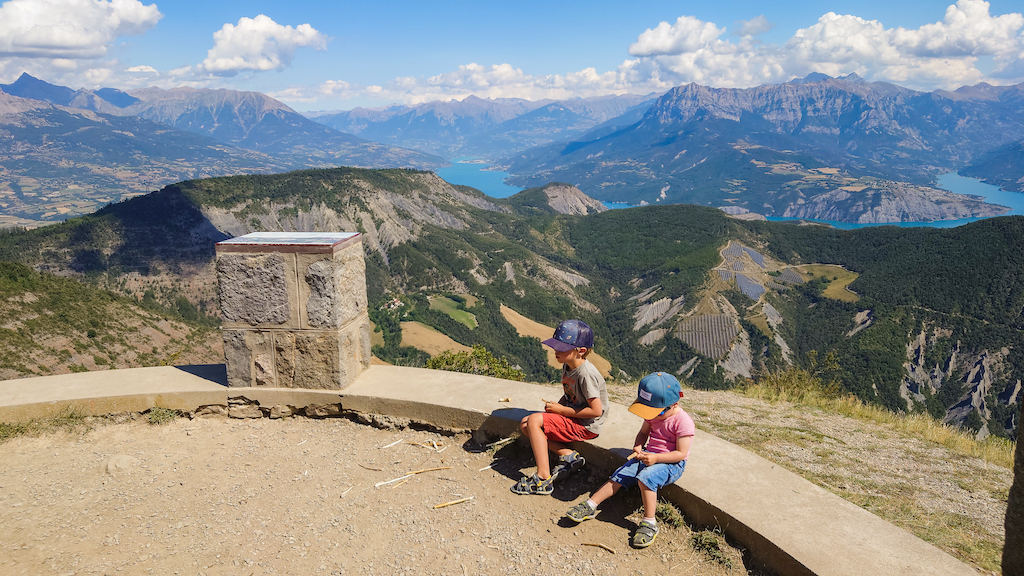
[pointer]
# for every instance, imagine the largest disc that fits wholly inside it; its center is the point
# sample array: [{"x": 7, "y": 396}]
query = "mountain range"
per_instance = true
[
  {"x": 804, "y": 148},
  {"x": 822, "y": 148},
  {"x": 914, "y": 319},
  {"x": 66, "y": 152},
  {"x": 491, "y": 128}
]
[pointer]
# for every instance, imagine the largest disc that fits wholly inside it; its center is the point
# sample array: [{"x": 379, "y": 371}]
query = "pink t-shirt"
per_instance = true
[{"x": 664, "y": 433}]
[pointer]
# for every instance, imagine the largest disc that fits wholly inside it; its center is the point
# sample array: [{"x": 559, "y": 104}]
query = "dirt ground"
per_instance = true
[{"x": 216, "y": 496}]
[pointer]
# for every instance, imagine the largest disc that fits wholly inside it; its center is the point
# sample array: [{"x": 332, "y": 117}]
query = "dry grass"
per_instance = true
[
  {"x": 994, "y": 450},
  {"x": 68, "y": 420},
  {"x": 837, "y": 289},
  {"x": 429, "y": 340}
]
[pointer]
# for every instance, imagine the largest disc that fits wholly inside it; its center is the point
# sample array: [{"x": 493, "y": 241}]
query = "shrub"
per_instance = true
[
  {"x": 157, "y": 415},
  {"x": 708, "y": 542},
  {"x": 478, "y": 361}
]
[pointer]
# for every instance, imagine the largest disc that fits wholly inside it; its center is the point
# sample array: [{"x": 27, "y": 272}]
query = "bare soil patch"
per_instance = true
[{"x": 297, "y": 496}]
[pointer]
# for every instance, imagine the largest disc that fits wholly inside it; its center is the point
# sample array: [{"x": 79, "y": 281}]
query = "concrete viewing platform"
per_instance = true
[{"x": 788, "y": 525}]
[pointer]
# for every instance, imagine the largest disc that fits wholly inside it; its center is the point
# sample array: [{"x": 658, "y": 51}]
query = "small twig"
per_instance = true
[
  {"x": 443, "y": 449},
  {"x": 459, "y": 501},
  {"x": 500, "y": 442},
  {"x": 379, "y": 484},
  {"x": 374, "y": 469},
  {"x": 489, "y": 465},
  {"x": 393, "y": 443},
  {"x": 303, "y": 442},
  {"x": 400, "y": 483},
  {"x": 429, "y": 470},
  {"x": 598, "y": 546},
  {"x": 346, "y": 491}
]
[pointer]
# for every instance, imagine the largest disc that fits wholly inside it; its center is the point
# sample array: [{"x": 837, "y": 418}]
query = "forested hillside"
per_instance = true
[{"x": 931, "y": 321}]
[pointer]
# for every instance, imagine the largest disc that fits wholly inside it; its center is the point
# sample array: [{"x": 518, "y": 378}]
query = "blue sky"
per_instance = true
[{"x": 338, "y": 55}]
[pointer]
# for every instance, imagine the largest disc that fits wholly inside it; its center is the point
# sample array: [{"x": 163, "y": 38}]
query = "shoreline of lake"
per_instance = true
[{"x": 472, "y": 171}]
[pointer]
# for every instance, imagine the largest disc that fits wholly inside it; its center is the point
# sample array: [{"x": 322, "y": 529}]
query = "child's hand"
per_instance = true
[
  {"x": 649, "y": 458},
  {"x": 640, "y": 454},
  {"x": 552, "y": 407}
]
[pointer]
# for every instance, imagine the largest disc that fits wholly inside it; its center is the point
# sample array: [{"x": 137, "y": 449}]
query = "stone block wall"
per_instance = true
[{"x": 294, "y": 309}]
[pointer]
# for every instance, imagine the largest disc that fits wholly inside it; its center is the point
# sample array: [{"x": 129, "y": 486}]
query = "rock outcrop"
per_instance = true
[{"x": 566, "y": 199}]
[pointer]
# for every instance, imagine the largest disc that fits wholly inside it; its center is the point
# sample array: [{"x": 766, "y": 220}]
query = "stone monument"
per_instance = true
[{"x": 294, "y": 309}]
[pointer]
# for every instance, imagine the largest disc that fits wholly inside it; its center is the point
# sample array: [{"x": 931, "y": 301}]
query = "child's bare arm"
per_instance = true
[
  {"x": 592, "y": 410},
  {"x": 641, "y": 439}
]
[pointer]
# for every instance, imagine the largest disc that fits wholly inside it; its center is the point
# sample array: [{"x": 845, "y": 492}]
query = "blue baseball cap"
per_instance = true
[
  {"x": 571, "y": 334},
  {"x": 656, "y": 392}
]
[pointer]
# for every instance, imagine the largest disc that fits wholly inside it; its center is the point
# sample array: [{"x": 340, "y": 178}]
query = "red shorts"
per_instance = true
[{"x": 564, "y": 429}]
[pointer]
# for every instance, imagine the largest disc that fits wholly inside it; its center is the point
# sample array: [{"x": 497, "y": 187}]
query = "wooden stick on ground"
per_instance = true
[
  {"x": 429, "y": 470},
  {"x": 459, "y": 501},
  {"x": 500, "y": 442},
  {"x": 598, "y": 546},
  {"x": 379, "y": 484},
  {"x": 374, "y": 469}
]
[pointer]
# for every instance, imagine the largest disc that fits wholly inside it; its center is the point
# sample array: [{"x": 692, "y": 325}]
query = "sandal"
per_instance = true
[
  {"x": 645, "y": 535},
  {"x": 533, "y": 485},
  {"x": 567, "y": 465},
  {"x": 581, "y": 512}
]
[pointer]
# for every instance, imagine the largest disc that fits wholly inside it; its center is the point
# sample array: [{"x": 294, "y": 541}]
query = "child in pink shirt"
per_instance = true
[{"x": 667, "y": 432}]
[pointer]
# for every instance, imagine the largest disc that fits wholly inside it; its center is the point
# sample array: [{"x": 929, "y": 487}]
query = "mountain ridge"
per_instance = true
[{"x": 675, "y": 287}]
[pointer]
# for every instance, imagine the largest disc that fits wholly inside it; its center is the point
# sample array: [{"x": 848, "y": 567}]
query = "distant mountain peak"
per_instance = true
[
  {"x": 27, "y": 86},
  {"x": 811, "y": 78}
]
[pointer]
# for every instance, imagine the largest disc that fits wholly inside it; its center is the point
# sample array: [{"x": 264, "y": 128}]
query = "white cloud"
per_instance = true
[
  {"x": 142, "y": 69},
  {"x": 258, "y": 44},
  {"x": 71, "y": 29},
  {"x": 754, "y": 26},
  {"x": 946, "y": 54},
  {"x": 494, "y": 81},
  {"x": 688, "y": 34},
  {"x": 939, "y": 55}
]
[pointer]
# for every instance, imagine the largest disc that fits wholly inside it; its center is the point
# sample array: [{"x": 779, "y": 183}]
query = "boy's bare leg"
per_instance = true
[
  {"x": 533, "y": 427},
  {"x": 559, "y": 448}
]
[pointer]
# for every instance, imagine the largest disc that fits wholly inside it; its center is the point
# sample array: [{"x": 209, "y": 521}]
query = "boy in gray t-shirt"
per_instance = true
[{"x": 578, "y": 415}]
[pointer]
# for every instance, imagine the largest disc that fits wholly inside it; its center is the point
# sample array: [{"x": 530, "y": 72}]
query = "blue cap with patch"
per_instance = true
[
  {"x": 656, "y": 392},
  {"x": 571, "y": 334}
]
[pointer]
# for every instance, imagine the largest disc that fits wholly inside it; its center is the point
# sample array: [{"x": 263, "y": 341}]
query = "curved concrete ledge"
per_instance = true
[{"x": 787, "y": 524}]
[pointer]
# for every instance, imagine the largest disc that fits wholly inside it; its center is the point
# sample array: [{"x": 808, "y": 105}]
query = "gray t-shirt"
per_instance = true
[{"x": 580, "y": 385}]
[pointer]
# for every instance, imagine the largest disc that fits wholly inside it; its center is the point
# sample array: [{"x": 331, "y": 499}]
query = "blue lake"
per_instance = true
[{"x": 472, "y": 172}]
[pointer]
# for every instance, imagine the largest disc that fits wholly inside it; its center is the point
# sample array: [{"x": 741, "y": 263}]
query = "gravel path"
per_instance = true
[{"x": 214, "y": 496}]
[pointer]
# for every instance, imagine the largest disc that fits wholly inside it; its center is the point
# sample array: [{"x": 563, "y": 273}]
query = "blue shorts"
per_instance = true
[{"x": 654, "y": 476}]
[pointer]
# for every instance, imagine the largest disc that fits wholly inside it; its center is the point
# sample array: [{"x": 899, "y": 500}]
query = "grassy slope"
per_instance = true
[{"x": 55, "y": 325}]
